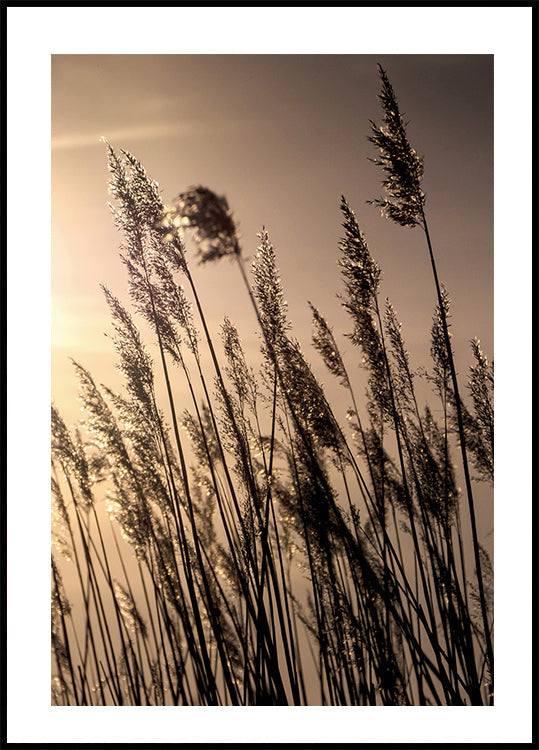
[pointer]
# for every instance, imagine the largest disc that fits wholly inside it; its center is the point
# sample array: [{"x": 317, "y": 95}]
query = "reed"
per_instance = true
[{"x": 254, "y": 550}]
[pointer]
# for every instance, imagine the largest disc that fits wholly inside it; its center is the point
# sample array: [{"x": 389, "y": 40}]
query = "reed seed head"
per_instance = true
[{"x": 209, "y": 216}]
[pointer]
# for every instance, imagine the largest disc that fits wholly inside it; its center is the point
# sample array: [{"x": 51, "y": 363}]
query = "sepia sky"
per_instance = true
[{"x": 282, "y": 136}]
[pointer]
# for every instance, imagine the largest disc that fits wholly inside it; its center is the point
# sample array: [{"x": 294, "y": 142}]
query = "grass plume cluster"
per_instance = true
[{"x": 278, "y": 557}]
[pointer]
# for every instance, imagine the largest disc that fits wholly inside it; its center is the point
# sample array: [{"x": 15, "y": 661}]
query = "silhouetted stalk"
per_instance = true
[
  {"x": 64, "y": 633},
  {"x": 95, "y": 592},
  {"x": 314, "y": 584},
  {"x": 106, "y": 570},
  {"x": 405, "y": 206},
  {"x": 462, "y": 441},
  {"x": 230, "y": 411},
  {"x": 228, "y": 527},
  {"x": 298, "y": 426},
  {"x": 88, "y": 634},
  {"x": 252, "y": 488},
  {"x": 209, "y": 603},
  {"x": 291, "y": 638},
  {"x": 424, "y": 580}
]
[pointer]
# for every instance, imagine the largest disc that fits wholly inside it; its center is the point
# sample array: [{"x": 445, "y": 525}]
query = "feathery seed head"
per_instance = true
[
  {"x": 128, "y": 608},
  {"x": 269, "y": 294},
  {"x": 238, "y": 370},
  {"x": 438, "y": 349},
  {"x": 71, "y": 455},
  {"x": 359, "y": 268},
  {"x": 479, "y": 427},
  {"x": 135, "y": 363},
  {"x": 209, "y": 216},
  {"x": 139, "y": 203},
  {"x": 324, "y": 342},
  {"x": 399, "y": 161}
]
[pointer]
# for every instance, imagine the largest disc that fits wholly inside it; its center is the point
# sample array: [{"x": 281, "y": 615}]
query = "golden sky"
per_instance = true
[{"x": 282, "y": 136}]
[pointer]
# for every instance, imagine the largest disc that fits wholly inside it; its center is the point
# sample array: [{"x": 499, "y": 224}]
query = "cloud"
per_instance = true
[{"x": 144, "y": 132}]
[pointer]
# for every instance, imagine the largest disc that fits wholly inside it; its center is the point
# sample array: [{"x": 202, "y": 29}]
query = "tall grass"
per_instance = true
[{"x": 256, "y": 551}]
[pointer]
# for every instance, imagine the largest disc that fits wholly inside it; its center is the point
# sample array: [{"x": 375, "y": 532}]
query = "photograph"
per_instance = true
[
  {"x": 263, "y": 267},
  {"x": 272, "y": 380}
]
